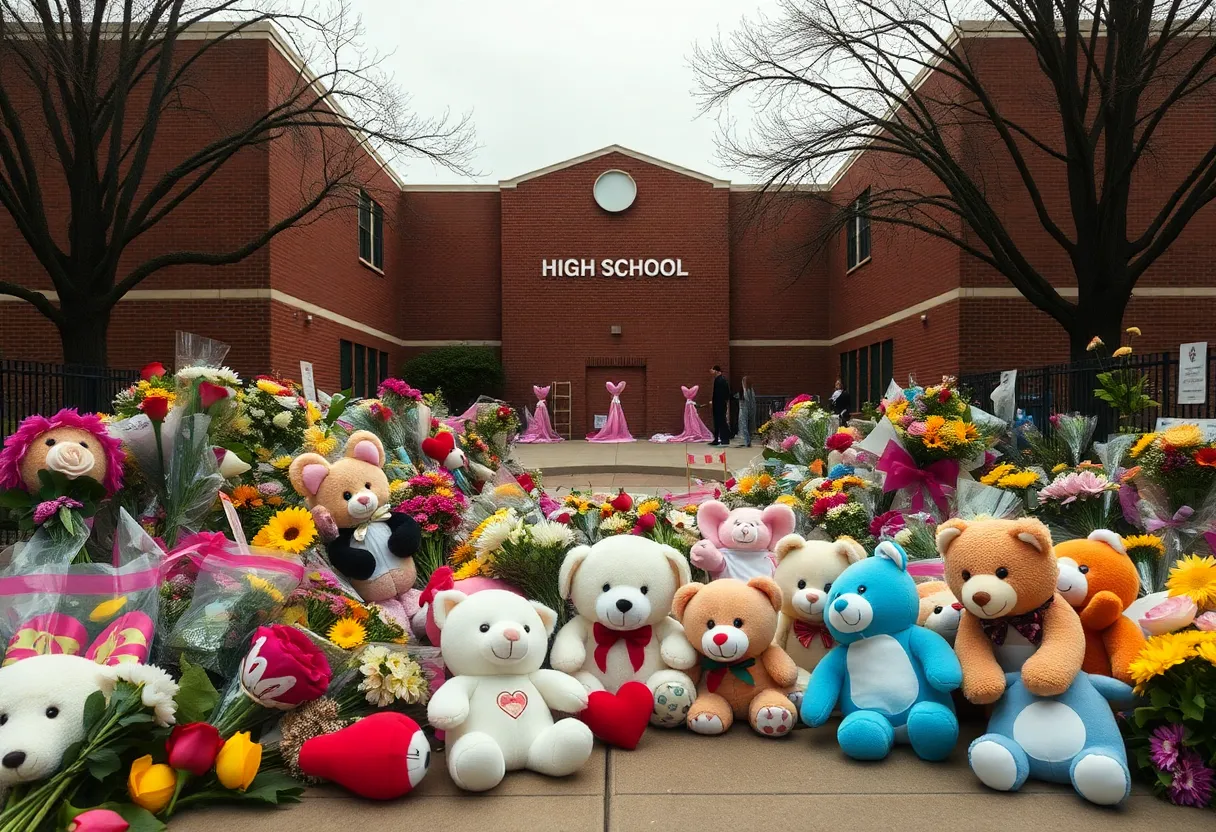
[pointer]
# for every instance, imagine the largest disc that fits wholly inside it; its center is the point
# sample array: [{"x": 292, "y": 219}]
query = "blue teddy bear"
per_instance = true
[
  {"x": 1071, "y": 738},
  {"x": 891, "y": 678}
]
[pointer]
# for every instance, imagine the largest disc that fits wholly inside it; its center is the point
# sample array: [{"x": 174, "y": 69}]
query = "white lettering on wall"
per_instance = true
[{"x": 622, "y": 267}]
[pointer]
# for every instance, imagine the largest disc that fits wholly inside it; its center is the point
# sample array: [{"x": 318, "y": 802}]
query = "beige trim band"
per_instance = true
[{"x": 779, "y": 342}]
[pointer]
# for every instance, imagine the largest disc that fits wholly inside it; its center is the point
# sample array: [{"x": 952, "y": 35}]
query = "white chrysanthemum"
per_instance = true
[
  {"x": 282, "y": 420},
  {"x": 497, "y": 532},
  {"x": 903, "y": 537},
  {"x": 374, "y": 655},
  {"x": 289, "y": 402},
  {"x": 158, "y": 691},
  {"x": 615, "y": 523},
  {"x": 219, "y": 375},
  {"x": 548, "y": 534},
  {"x": 257, "y": 413}
]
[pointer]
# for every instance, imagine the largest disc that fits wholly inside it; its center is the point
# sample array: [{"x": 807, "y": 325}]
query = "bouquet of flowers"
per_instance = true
[
  {"x": 1146, "y": 551},
  {"x": 154, "y": 382},
  {"x": 1175, "y": 482},
  {"x": 1078, "y": 501},
  {"x": 289, "y": 531},
  {"x": 583, "y": 512},
  {"x": 798, "y": 435},
  {"x": 1075, "y": 432},
  {"x": 756, "y": 488},
  {"x": 842, "y": 507},
  {"x": 256, "y": 504},
  {"x": 277, "y": 415},
  {"x": 1023, "y": 482},
  {"x": 497, "y": 424},
  {"x": 401, "y": 418},
  {"x": 433, "y": 500},
  {"x": 323, "y": 605},
  {"x": 915, "y": 532},
  {"x": 1172, "y": 733},
  {"x": 980, "y": 500}
]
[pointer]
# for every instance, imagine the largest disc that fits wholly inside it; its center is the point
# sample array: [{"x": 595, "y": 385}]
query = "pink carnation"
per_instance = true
[
  {"x": 1078, "y": 485},
  {"x": 825, "y": 504},
  {"x": 916, "y": 429},
  {"x": 398, "y": 388},
  {"x": 48, "y": 509},
  {"x": 887, "y": 524},
  {"x": 18, "y": 445}
]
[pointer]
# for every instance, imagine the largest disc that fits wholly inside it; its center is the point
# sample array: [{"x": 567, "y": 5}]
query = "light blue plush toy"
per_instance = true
[
  {"x": 891, "y": 678},
  {"x": 1071, "y": 738}
]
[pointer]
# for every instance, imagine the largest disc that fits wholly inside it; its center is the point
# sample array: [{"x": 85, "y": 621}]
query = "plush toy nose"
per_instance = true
[
  {"x": 841, "y": 605},
  {"x": 511, "y": 634},
  {"x": 981, "y": 598},
  {"x": 719, "y": 639},
  {"x": 13, "y": 759},
  {"x": 624, "y": 605},
  {"x": 364, "y": 500},
  {"x": 956, "y": 606}
]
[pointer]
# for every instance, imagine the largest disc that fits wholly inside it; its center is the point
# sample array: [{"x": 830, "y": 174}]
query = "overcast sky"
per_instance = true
[{"x": 546, "y": 80}]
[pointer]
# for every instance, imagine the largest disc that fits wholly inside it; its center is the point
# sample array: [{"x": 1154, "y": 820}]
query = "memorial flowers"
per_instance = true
[{"x": 433, "y": 500}]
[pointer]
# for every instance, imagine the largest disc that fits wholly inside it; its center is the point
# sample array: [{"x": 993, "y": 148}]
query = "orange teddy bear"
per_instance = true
[
  {"x": 744, "y": 675},
  {"x": 1100, "y": 581}
]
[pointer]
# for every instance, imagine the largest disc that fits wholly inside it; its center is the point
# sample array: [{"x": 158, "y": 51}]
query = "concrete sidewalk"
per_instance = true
[
  {"x": 678, "y": 781},
  {"x": 643, "y": 465}
]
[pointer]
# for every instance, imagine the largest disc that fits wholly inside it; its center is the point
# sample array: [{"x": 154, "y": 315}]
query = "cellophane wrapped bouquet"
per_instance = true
[
  {"x": 400, "y": 416},
  {"x": 842, "y": 506},
  {"x": 914, "y": 531},
  {"x": 1024, "y": 483},
  {"x": 981, "y": 500},
  {"x": 798, "y": 435},
  {"x": 1171, "y": 735},
  {"x": 433, "y": 500},
  {"x": 1078, "y": 501},
  {"x": 1174, "y": 477},
  {"x": 757, "y": 487}
]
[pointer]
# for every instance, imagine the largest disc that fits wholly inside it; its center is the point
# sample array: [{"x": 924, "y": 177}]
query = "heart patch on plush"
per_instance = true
[
  {"x": 438, "y": 447},
  {"x": 619, "y": 719},
  {"x": 513, "y": 704}
]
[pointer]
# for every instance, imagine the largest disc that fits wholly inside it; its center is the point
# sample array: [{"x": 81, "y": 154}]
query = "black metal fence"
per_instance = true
[
  {"x": 1065, "y": 388},
  {"x": 28, "y": 387}
]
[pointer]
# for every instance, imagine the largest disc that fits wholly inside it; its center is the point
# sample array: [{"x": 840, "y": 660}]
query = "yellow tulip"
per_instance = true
[
  {"x": 107, "y": 609},
  {"x": 1122, "y": 351},
  {"x": 1133, "y": 330},
  {"x": 151, "y": 786},
  {"x": 238, "y": 762}
]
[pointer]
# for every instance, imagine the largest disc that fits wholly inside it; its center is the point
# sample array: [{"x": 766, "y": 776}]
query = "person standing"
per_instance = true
[
  {"x": 747, "y": 412},
  {"x": 842, "y": 403},
  {"x": 721, "y": 403}
]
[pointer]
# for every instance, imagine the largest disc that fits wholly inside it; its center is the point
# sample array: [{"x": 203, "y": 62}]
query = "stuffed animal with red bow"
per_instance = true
[
  {"x": 805, "y": 572},
  {"x": 444, "y": 449},
  {"x": 622, "y": 588}
]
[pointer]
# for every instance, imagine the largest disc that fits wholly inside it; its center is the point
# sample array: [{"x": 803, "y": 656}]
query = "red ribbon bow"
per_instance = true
[
  {"x": 807, "y": 633},
  {"x": 938, "y": 479},
  {"x": 635, "y": 643}
]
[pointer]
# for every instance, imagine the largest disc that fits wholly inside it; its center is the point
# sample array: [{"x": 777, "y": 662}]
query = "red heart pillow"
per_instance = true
[
  {"x": 438, "y": 447},
  {"x": 619, "y": 719}
]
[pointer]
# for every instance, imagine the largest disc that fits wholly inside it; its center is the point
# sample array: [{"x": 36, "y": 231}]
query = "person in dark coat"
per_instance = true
[
  {"x": 842, "y": 403},
  {"x": 721, "y": 403}
]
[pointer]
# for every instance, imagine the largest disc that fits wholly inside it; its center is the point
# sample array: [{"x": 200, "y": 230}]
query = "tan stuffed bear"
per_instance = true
[
  {"x": 940, "y": 611},
  {"x": 805, "y": 572},
  {"x": 375, "y": 546},
  {"x": 743, "y": 674}
]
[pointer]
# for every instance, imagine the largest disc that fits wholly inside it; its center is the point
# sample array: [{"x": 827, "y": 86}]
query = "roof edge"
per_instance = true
[{"x": 604, "y": 151}]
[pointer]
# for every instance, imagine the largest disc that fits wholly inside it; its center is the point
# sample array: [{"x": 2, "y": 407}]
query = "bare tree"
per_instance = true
[
  {"x": 904, "y": 82},
  {"x": 85, "y": 88}
]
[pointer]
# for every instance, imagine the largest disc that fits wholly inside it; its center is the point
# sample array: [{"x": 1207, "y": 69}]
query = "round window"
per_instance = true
[{"x": 615, "y": 190}]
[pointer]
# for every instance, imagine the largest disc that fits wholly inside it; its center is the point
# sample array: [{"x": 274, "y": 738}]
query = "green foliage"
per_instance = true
[
  {"x": 464, "y": 373},
  {"x": 196, "y": 696},
  {"x": 1125, "y": 390}
]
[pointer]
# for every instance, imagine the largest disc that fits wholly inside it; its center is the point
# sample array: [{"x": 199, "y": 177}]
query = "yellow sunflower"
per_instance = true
[
  {"x": 1183, "y": 436},
  {"x": 1142, "y": 445},
  {"x": 347, "y": 633},
  {"x": 265, "y": 587},
  {"x": 994, "y": 476},
  {"x": 1159, "y": 655},
  {"x": 1207, "y": 651},
  {"x": 745, "y": 485},
  {"x": 765, "y": 481},
  {"x": 933, "y": 442},
  {"x": 896, "y": 409},
  {"x": 933, "y": 425},
  {"x": 1144, "y": 541},
  {"x": 1195, "y": 577},
  {"x": 471, "y": 569},
  {"x": 1022, "y": 479},
  {"x": 317, "y": 440},
  {"x": 290, "y": 530}
]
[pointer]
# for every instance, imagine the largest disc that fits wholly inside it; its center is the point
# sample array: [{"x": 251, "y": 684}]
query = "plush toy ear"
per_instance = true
[
  {"x": 780, "y": 520},
  {"x": 1111, "y": 539},
  {"x": 565, "y": 575},
  {"x": 547, "y": 616},
  {"x": 850, "y": 548},
  {"x": 445, "y": 602},
  {"x": 1029, "y": 530},
  {"x": 678, "y": 564},
  {"x": 682, "y": 598},
  {"x": 307, "y": 472},
  {"x": 787, "y": 544},
  {"x": 769, "y": 587},
  {"x": 893, "y": 552},
  {"x": 710, "y": 516},
  {"x": 947, "y": 532},
  {"x": 931, "y": 588},
  {"x": 365, "y": 446}
]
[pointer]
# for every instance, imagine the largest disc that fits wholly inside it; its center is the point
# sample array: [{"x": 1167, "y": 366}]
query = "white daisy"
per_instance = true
[
  {"x": 548, "y": 534},
  {"x": 158, "y": 691},
  {"x": 219, "y": 375}
]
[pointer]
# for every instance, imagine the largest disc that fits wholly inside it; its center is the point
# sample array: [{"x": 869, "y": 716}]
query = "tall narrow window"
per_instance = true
[
  {"x": 360, "y": 370},
  {"x": 346, "y": 364},
  {"x": 371, "y": 231},
  {"x": 876, "y": 381},
  {"x": 858, "y": 232},
  {"x": 888, "y": 362}
]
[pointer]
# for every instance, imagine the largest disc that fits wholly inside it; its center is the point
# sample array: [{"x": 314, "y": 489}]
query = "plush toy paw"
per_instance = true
[
  {"x": 671, "y": 703},
  {"x": 795, "y": 697},
  {"x": 774, "y": 721},
  {"x": 677, "y": 653},
  {"x": 704, "y": 555},
  {"x": 1044, "y": 679},
  {"x": 707, "y": 724},
  {"x": 447, "y": 714},
  {"x": 984, "y": 688},
  {"x": 999, "y": 762},
  {"x": 1101, "y": 779}
]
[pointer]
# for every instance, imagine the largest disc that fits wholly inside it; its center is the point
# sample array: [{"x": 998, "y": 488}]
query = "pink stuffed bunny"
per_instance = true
[{"x": 738, "y": 542}]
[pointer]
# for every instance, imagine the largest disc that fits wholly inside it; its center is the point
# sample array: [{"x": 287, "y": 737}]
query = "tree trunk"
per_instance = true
[
  {"x": 85, "y": 382},
  {"x": 1103, "y": 318}
]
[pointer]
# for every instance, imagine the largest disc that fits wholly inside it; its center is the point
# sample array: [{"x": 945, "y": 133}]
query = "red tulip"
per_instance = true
[
  {"x": 98, "y": 820},
  {"x": 526, "y": 482},
  {"x": 284, "y": 668},
  {"x": 645, "y": 523},
  {"x": 622, "y": 502},
  {"x": 152, "y": 370},
  {"x": 194, "y": 747},
  {"x": 155, "y": 408},
  {"x": 210, "y": 393}
]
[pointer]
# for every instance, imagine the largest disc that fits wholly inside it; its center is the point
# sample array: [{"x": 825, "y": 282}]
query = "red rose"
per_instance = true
[
  {"x": 730, "y": 483},
  {"x": 284, "y": 668},
  {"x": 839, "y": 442},
  {"x": 1206, "y": 457},
  {"x": 155, "y": 408},
  {"x": 210, "y": 393},
  {"x": 194, "y": 747},
  {"x": 504, "y": 412},
  {"x": 944, "y": 395},
  {"x": 526, "y": 482},
  {"x": 645, "y": 523},
  {"x": 152, "y": 370}
]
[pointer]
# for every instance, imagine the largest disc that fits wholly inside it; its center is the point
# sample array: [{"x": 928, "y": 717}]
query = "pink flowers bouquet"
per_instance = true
[
  {"x": 433, "y": 499},
  {"x": 1077, "y": 502}
]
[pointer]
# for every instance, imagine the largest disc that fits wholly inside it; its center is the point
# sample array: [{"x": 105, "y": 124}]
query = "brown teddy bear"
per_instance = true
[
  {"x": 1004, "y": 572},
  {"x": 67, "y": 443},
  {"x": 940, "y": 611},
  {"x": 743, "y": 674},
  {"x": 1100, "y": 581},
  {"x": 374, "y": 547}
]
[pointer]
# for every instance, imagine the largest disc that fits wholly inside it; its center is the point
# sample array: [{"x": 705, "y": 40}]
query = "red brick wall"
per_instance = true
[{"x": 553, "y": 327}]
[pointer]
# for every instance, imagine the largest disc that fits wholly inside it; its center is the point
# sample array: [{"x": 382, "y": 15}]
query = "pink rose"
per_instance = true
[
  {"x": 1206, "y": 622},
  {"x": 789, "y": 442},
  {"x": 1170, "y": 615},
  {"x": 283, "y": 668}
]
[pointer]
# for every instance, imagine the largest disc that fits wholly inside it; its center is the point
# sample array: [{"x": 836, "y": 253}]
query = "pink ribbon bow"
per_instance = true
[
  {"x": 1181, "y": 516},
  {"x": 938, "y": 478}
]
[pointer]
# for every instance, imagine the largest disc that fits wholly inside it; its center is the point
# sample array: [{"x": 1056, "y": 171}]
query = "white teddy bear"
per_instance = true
[
  {"x": 622, "y": 588},
  {"x": 42, "y": 709},
  {"x": 495, "y": 709}
]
